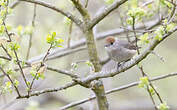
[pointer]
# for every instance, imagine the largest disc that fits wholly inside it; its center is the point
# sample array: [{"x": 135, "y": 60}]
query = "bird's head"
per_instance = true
[{"x": 109, "y": 41}]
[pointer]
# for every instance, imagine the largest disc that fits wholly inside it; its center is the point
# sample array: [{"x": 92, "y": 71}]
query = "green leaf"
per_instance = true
[
  {"x": 14, "y": 46},
  {"x": 129, "y": 21},
  {"x": 144, "y": 38},
  {"x": 144, "y": 82},
  {"x": 89, "y": 63},
  {"x": 170, "y": 27},
  {"x": 7, "y": 87},
  {"x": 74, "y": 66},
  {"x": 10, "y": 71},
  {"x": 136, "y": 12},
  {"x": 20, "y": 30},
  {"x": 163, "y": 106},
  {"x": 16, "y": 83},
  {"x": 67, "y": 21},
  {"x": 151, "y": 90},
  {"x": 55, "y": 42},
  {"x": 2, "y": 29},
  {"x": 160, "y": 31}
]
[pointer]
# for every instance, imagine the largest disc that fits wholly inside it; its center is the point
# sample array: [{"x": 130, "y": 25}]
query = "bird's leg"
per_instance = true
[{"x": 118, "y": 65}]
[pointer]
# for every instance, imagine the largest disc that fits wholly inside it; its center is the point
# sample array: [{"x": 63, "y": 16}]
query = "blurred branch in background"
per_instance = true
[
  {"x": 58, "y": 52},
  {"x": 31, "y": 34},
  {"x": 106, "y": 74},
  {"x": 116, "y": 90},
  {"x": 105, "y": 12},
  {"x": 47, "y": 5}
]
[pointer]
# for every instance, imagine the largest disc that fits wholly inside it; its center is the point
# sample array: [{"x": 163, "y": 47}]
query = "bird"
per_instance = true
[{"x": 119, "y": 50}]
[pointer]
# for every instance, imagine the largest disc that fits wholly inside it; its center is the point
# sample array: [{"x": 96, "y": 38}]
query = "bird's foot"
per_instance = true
[{"x": 118, "y": 65}]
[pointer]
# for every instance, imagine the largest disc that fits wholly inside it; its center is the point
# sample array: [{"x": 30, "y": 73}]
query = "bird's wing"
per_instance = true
[{"x": 127, "y": 45}]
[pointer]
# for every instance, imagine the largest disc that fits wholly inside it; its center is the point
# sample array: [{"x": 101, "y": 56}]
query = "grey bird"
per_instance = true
[{"x": 119, "y": 50}]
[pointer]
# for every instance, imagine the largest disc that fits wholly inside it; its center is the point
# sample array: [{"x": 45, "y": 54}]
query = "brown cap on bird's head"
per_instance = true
[{"x": 109, "y": 40}]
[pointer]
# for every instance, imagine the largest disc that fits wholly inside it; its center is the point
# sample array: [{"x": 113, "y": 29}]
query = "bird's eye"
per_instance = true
[{"x": 111, "y": 43}]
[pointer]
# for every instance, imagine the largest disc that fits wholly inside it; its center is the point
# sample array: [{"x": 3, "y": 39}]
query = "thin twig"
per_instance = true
[
  {"x": 144, "y": 74},
  {"x": 86, "y": 3},
  {"x": 136, "y": 39},
  {"x": 127, "y": 86},
  {"x": 122, "y": 23},
  {"x": 41, "y": 64},
  {"x": 65, "y": 72},
  {"x": 21, "y": 69},
  {"x": 70, "y": 32},
  {"x": 113, "y": 72},
  {"x": 80, "y": 8},
  {"x": 141, "y": 68},
  {"x": 16, "y": 89},
  {"x": 31, "y": 34},
  {"x": 6, "y": 51}
]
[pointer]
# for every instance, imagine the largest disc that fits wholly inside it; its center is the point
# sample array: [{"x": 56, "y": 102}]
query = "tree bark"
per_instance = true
[{"x": 97, "y": 85}]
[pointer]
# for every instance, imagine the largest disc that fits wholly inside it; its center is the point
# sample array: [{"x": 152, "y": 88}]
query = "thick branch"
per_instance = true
[
  {"x": 105, "y": 74},
  {"x": 63, "y": 12},
  {"x": 60, "y": 52},
  {"x": 116, "y": 90},
  {"x": 80, "y": 8},
  {"x": 37, "y": 93},
  {"x": 129, "y": 64}
]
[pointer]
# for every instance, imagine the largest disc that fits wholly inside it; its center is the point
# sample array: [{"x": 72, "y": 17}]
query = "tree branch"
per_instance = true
[
  {"x": 80, "y": 8},
  {"x": 31, "y": 34},
  {"x": 65, "y": 13},
  {"x": 105, "y": 12},
  {"x": 129, "y": 64},
  {"x": 116, "y": 90},
  {"x": 105, "y": 74},
  {"x": 37, "y": 93},
  {"x": 58, "y": 52},
  {"x": 63, "y": 72}
]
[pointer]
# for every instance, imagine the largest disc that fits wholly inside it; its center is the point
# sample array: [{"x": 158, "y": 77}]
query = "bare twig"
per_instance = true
[
  {"x": 86, "y": 3},
  {"x": 80, "y": 8},
  {"x": 20, "y": 67},
  {"x": 148, "y": 89},
  {"x": 5, "y": 50},
  {"x": 31, "y": 34},
  {"x": 141, "y": 68},
  {"x": 62, "y": 72},
  {"x": 16, "y": 89}
]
